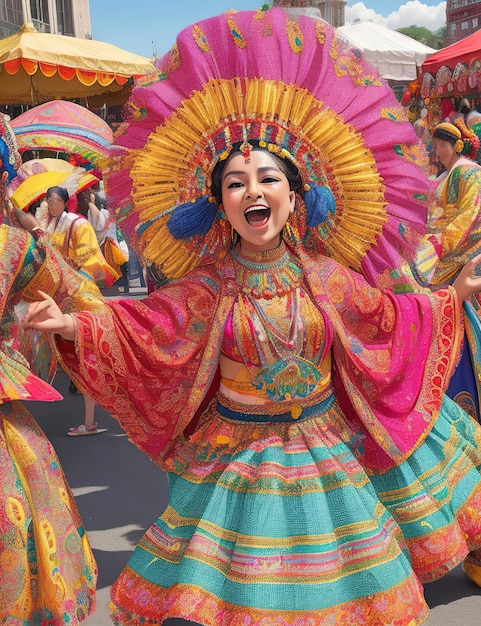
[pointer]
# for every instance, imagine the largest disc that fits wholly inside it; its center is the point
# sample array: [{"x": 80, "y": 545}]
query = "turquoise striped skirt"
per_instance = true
[{"x": 273, "y": 522}]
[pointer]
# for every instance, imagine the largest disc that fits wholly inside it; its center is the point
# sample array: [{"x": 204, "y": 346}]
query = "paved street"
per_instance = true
[{"x": 120, "y": 493}]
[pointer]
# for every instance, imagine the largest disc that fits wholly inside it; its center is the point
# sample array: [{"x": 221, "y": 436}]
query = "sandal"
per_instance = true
[
  {"x": 472, "y": 568},
  {"x": 83, "y": 430}
]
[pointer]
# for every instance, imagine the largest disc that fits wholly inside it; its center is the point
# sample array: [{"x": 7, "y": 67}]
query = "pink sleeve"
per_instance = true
[
  {"x": 394, "y": 356},
  {"x": 140, "y": 359}
]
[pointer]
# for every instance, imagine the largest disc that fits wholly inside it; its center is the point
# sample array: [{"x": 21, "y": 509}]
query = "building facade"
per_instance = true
[
  {"x": 62, "y": 17},
  {"x": 463, "y": 17},
  {"x": 333, "y": 11}
]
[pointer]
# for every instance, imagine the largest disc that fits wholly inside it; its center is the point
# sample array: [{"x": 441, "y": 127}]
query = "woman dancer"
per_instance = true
[
  {"x": 454, "y": 239},
  {"x": 74, "y": 237},
  {"x": 325, "y": 475},
  {"x": 47, "y": 570}
]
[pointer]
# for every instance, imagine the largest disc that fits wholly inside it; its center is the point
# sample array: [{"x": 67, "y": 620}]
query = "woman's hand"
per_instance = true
[
  {"x": 468, "y": 282},
  {"x": 45, "y": 315},
  {"x": 26, "y": 220}
]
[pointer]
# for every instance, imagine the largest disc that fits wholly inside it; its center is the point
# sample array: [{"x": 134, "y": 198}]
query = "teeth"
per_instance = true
[
  {"x": 255, "y": 208},
  {"x": 257, "y": 214}
]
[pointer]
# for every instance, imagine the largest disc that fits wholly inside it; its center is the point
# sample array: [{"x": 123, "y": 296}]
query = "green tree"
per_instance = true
[
  {"x": 441, "y": 33},
  {"x": 420, "y": 33}
]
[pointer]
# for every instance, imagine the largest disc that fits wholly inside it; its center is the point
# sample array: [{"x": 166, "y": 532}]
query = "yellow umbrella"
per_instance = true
[{"x": 38, "y": 67}]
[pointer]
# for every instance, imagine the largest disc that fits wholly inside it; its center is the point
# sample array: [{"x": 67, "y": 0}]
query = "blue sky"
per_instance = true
[{"x": 148, "y": 26}]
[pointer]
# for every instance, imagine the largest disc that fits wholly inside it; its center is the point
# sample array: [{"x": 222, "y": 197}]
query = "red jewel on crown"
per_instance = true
[{"x": 246, "y": 149}]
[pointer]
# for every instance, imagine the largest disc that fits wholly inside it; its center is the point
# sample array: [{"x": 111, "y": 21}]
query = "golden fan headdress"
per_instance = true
[{"x": 291, "y": 85}]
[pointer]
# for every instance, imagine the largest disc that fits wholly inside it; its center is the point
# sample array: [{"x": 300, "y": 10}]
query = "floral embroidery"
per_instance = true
[
  {"x": 349, "y": 61},
  {"x": 295, "y": 36},
  {"x": 200, "y": 39},
  {"x": 236, "y": 33}
]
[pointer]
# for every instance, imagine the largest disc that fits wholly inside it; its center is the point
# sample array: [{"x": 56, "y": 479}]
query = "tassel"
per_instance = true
[
  {"x": 320, "y": 205},
  {"x": 192, "y": 218}
]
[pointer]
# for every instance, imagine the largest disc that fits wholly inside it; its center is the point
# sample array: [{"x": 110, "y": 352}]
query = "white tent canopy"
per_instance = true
[{"x": 396, "y": 56}]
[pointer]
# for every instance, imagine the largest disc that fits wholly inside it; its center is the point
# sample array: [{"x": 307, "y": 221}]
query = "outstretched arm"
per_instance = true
[
  {"x": 468, "y": 282},
  {"x": 46, "y": 315}
]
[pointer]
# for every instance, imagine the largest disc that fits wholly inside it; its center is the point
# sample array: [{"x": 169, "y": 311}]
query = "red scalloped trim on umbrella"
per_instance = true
[
  {"x": 67, "y": 73},
  {"x": 105, "y": 78},
  {"x": 12, "y": 66},
  {"x": 30, "y": 66},
  {"x": 86, "y": 77},
  {"x": 47, "y": 69}
]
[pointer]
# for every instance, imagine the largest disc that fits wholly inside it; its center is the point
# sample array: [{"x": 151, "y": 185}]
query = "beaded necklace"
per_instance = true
[
  {"x": 273, "y": 323},
  {"x": 266, "y": 274}
]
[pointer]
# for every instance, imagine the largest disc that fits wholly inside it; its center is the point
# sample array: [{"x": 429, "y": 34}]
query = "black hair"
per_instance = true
[
  {"x": 286, "y": 166},
  {"x": 445, "y": 135},
  {"x": 60, "y": 191}
]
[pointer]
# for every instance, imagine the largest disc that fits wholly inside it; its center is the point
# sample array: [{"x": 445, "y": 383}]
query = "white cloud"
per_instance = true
[
  {"x": 412, "y": 13},
  {"x": 359, "y": 12}
]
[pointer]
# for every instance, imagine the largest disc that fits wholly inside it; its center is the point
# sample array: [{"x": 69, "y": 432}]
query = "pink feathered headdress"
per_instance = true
[{"x": 289, "y": 83}]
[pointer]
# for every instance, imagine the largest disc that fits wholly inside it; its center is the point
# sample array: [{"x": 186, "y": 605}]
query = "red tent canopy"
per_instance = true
[
  {"x": 463, "y": 51},
  {"x": 454, "y": 70}
]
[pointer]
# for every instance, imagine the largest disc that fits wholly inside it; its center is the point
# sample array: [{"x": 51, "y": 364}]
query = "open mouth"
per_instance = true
[{"x": 257, "y": 215}]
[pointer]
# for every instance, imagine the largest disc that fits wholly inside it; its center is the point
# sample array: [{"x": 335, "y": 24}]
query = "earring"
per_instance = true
[
  {"x": 234, "y": 235},
  {"x": 290, "y": 232}
]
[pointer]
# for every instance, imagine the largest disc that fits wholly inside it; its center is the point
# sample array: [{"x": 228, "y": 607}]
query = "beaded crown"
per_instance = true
[{"x": 289, "y": 83}]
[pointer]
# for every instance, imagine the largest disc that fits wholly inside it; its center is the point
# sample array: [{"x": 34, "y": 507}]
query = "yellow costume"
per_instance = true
[{"x": 75, "y": 239}]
